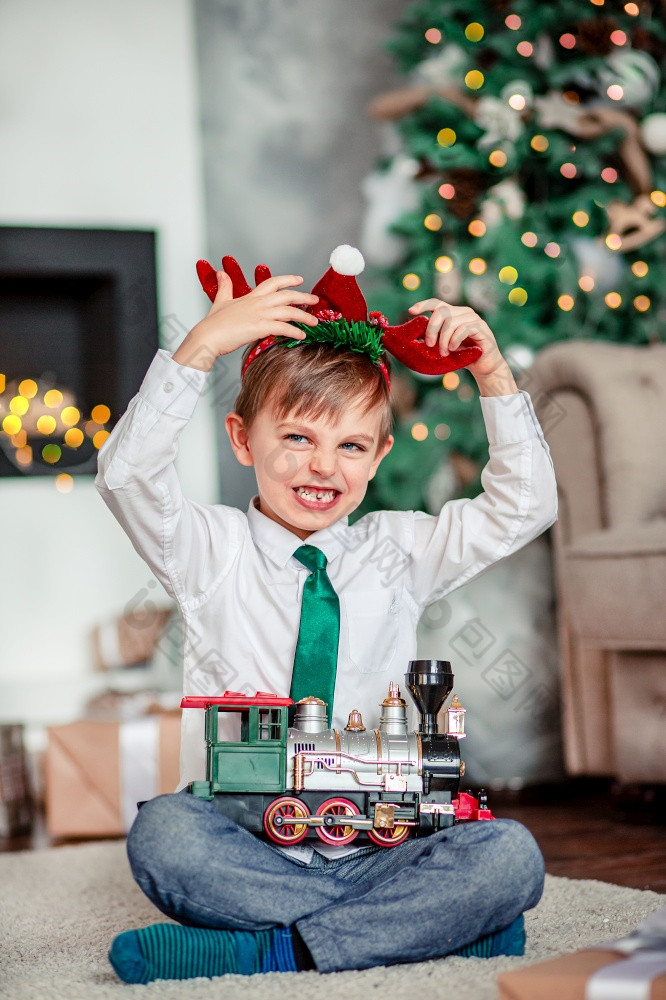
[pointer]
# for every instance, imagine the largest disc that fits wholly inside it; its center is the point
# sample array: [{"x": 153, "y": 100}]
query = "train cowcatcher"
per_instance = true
[{"x": 306, "y": 780}]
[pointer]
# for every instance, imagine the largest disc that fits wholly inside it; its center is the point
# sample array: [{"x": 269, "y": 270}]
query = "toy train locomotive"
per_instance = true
[{"x": 307, "y": 780}]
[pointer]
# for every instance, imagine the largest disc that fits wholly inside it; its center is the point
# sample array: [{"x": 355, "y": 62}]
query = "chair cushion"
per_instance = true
[{"x": 614, "y": 584}]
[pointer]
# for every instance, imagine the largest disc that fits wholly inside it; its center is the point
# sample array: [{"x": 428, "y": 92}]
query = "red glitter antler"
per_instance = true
[
  {"x": 407, "y": 343},
  {"x": 208, "y": 277}
]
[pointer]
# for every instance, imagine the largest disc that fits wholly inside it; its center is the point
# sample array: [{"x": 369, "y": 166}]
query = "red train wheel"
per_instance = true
[
  {"x": 337, "y": 835},
  {"x": 389, "y": 838},
  {"x": 281, "y": 820}
]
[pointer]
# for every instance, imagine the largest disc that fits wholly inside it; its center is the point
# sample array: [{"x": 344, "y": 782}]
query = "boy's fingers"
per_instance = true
[
  {"x": 293, "y": 297},
  {"x": 427, "y": 304},
  {"x": 294, "y": 315},
  {"x": 278, "y": 282},
  {"x": 225, "y": 288},
  {"x": 278, "y": 329}
]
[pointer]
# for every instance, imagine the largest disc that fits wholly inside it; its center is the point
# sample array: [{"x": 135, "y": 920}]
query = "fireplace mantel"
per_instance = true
[{"x": 78, "y": 315}]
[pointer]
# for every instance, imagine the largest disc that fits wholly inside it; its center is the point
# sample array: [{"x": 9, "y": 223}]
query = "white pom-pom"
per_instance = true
[{"x": 347, "y": 260}]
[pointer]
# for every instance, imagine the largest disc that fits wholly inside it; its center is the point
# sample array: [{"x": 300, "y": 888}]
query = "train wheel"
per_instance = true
[
  {"x": 389, "y": 838},
  {"x": 281, "y": 820},
  {"x": 337, "y": 835}
]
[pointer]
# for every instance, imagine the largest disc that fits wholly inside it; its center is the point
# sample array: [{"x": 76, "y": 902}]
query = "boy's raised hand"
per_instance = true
[
  {"x": 450, "y": 325},
  {"x": 269, "y": 309}
]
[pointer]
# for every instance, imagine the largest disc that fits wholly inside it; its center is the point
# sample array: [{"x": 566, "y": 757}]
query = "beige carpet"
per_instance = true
[{"x": 60, "y": 908}]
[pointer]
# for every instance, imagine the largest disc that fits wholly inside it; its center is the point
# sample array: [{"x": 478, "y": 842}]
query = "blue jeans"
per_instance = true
[{"x": 380, "y": 906}]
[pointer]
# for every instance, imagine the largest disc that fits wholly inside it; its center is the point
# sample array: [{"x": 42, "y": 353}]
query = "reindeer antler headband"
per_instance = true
[{"x": 344, "y": 321}]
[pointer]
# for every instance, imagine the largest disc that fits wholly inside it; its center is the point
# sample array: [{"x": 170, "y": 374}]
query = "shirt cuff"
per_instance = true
[
  {"x": 172, "y": 388},
  {"x": 510, "y": 419}
]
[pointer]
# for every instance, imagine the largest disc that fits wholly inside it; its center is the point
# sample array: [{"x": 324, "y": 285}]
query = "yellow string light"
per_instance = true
[
  {"x": 475, "y": 79},
  {"x": 74, "y": 437},
  {"x": 613, "y": 300},
  {"x": 46, "y": 424},
  {"x": 70, "y": 416},
  {"x": 19, "y": 405},
  {"x": 508, "y": 275},
  {"x": 446, "y": 137},
  {"x": 640, "y": 268},
  {"x": 100, "y": 414},
  {"x": 419, "y": 432},
  {"x": 444, "y": 264},
  {"x": 53, "y": 398},
  {"x": 27, "y": 388},
  {"x": 517, "y": 296},
  {"x": 11, "y": 424},
  {"x": 642, "y": 303},
  {"x": 566, "y": 303},
  {"x": 99, "y": 438},
  {"x": 477, "y": 228},
  {"x": 580, "y": 218},
  {"x": 411, "y": 281},
  {"x": 474, "y": 32},
  {"x": 451, "y": 381}
]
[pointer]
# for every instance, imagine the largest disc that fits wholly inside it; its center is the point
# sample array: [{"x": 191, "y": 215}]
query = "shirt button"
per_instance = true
[{"x": 168, "y": 386}]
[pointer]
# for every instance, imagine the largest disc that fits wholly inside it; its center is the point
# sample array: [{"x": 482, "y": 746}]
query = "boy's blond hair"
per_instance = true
[{"x": 314, "y": 380}]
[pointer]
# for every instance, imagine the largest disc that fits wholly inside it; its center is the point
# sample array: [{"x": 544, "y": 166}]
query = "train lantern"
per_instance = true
[{"x": 290, "y": 783}]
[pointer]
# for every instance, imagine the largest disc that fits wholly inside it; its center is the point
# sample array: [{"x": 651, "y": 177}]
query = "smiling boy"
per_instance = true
[{"x": 313, "y": 418}]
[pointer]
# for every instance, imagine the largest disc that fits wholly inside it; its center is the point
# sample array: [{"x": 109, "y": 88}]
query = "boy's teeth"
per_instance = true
[{"x": 315, "y": 494}]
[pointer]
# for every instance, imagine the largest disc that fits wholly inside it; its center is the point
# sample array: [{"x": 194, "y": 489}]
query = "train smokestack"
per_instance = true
[{"x": 430, "y": 682}]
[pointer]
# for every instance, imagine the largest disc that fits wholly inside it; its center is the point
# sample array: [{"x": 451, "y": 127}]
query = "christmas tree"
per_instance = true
[{"x": 524, "y": 176}]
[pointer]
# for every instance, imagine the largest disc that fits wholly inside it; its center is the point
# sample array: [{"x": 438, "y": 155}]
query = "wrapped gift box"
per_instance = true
[
  {"x": 96, "y": 772},
  {"x": 595, "y": 974}
]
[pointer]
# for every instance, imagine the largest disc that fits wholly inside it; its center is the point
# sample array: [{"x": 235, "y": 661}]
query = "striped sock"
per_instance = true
[
  {"x": 508, "y": 941},
  {"x": 171, "y": 951}
]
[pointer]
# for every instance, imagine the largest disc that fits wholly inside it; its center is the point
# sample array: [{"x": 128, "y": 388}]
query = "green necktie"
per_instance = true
[{"x": 316, "y": 657}]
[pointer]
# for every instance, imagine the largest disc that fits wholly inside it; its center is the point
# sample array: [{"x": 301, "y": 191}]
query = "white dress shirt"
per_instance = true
[{"x": 239, "y": 588}]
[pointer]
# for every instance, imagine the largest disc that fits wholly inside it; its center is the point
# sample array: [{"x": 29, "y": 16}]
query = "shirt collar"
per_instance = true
[{"x": 279, "y": 544}]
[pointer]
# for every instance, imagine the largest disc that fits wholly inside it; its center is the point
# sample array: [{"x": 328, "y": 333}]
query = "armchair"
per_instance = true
[{"x": 603, "y": 411}]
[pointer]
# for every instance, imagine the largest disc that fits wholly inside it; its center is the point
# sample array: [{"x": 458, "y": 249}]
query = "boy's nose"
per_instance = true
[{"x": 323, "y": 465}]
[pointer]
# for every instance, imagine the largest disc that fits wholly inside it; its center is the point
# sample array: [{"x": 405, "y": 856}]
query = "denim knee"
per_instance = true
[
  {"x": 154, "y": 832},
  {"x": 521, "y": 853}
]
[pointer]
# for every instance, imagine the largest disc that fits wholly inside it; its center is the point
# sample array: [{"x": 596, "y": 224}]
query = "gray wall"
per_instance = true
[{"x": 286, "y": 142}]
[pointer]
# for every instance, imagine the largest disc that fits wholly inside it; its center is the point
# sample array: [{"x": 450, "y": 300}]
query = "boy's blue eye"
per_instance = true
[{"x": 302, "y": 437}]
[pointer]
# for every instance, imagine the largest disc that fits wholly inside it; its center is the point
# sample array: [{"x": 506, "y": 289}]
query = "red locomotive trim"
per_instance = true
[
  {"x": 467, "y": 808},
  {"x": 235, "y": 699}
]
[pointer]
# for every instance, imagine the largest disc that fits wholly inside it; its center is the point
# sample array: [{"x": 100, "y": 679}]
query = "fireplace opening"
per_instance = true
[{"x": 78, "y": 329}]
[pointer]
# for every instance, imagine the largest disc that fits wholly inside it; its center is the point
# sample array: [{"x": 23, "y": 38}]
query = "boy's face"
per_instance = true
[{"x": 291, "y": 454}]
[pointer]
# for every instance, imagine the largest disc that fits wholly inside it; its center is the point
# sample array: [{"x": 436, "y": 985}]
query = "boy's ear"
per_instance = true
[
  {"x": 382, "y": 453},
  {"x": 238, "y": 437}
]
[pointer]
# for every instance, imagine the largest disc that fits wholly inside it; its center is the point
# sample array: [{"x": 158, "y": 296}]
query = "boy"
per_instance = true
[{"x": 314, "y": 421}]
